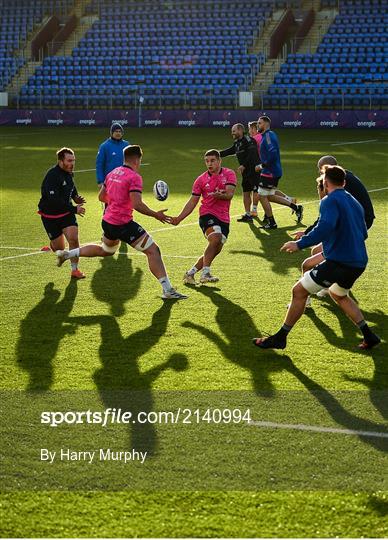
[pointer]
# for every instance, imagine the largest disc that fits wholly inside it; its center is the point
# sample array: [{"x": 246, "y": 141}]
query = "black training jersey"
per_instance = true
[
  {"x": 355, "y": 187},
  {"x": 58, "y": 190},
  {"x": 247, "y": 155}
]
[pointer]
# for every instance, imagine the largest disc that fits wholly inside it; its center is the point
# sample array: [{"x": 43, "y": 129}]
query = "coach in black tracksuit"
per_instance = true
[
  {"x": 56, "y": 209},
  {"x": 245, "y": 149}
]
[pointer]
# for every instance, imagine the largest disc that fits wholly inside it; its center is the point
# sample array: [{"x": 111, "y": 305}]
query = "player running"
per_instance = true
[
  {"x": 270, "y": 173},
  {"x": 356, "y": 188},
  {"x": 122, "y": 191},
  {"x": 216, "y": 186},
  {"x": 56, "y": 209},
  {"x": 342, "y": 230},
  {"x": 254, "y": 134}
]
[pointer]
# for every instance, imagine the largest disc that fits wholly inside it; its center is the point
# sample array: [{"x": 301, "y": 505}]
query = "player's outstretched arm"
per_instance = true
[
  {"x": 141, "y": 207},
  {"x": 186, "y": 211}
]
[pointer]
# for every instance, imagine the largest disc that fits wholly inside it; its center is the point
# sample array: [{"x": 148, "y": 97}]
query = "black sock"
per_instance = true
[
  {"x": 366, "y": 331},
  {"x": 283, "y": 332},
  {"x": 271, "y": 219},
  {"x": 294, "y": 206}
]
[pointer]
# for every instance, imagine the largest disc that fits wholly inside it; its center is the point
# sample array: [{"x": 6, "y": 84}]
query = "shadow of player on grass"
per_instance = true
[
  {"x": 271, "y": 242},
  {"x": 237, "y": 326},
  {"x": 116, "y": 282},
  {"x": 120, "y": 381},
  {"x": 349, "y": 339},
  {"x": 339, "y": 413},
  {"x": 41, "y": 332}
]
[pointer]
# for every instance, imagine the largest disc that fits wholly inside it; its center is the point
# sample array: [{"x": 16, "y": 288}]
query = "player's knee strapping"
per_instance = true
[
  {"x": 216, "y": 229},
  {"x": 144, "y": 243},
  {"x": 338, "y": 290},
  {"x": 110, "y": 249}
]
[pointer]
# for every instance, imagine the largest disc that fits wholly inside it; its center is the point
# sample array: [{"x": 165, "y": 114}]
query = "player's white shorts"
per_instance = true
[{"x": 266, "y": 192}]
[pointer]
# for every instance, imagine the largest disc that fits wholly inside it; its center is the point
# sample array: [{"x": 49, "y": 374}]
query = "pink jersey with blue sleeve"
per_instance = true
[
  {"x": 206, "y": 184},
  {"x": 119, "y": 184}
]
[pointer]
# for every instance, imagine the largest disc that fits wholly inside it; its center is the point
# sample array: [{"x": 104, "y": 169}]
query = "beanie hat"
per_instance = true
[{"x": 115, "y": 127}]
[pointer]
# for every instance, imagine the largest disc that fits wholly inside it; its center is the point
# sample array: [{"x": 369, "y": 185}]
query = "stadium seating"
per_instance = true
[
  {"x": 17, "y": 21},
  {"x": 348, "y": 69},
  {"x": 169, "y": 53},
  {"x": 183, "y": 53}
]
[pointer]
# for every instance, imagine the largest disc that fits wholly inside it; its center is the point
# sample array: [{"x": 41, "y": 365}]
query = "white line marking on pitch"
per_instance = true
[
  {"x": 379, "y": 189},
  {"x": 22, "y": 255},
  {"x": 319, "y": 429},
  {"x": 13, "y": 247},
  {"x": 120, "y": 253},
  {"x": 354, "y": 142},
  {"x": 340, "y": 143}
]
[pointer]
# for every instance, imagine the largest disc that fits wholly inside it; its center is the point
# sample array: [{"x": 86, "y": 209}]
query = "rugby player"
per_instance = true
[
  {"x": 254, "y": 134},
  {"x": 270, "y": 173},
  {"x": 122, "y": 191},
  {"x": 56, "y": 210},
  {"x": 216, "y": 186},
  {"x": 247, "y": 155}
]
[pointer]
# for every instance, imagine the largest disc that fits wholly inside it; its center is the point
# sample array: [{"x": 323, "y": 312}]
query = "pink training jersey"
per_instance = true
[
  {"x": 119, "y": 184},
  {"x": 258, "y": 138},
  {"x": 208, "y": 183}
]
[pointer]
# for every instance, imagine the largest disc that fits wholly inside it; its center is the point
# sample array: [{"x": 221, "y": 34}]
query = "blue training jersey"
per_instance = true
[
  {"x": 341, "y": 229},
  {"x": 109, "y": 156},
  {"x": 270, "y": 155}
]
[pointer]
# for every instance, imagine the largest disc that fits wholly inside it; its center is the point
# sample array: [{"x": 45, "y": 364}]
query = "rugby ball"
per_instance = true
[{"x": 161, "y": 190}]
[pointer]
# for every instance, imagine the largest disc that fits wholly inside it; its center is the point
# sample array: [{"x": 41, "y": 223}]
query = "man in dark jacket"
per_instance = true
[
  {"x": 56, "y": 209},
  {"x": 245, "y": 149}
]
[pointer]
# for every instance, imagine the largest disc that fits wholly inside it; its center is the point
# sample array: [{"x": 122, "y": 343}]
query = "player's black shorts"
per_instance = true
[
  {"x": 208, "y": 220},
  {"x": 54, "y": 226},
  {"x": 328, "y": 272},
  {"x": 129, "y": 232},
  {"x": 250, "y": 183},
  {"x": 268, "y": 183}
]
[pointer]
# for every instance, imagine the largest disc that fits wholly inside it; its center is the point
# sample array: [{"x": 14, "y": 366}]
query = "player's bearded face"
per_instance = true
[
  {"x": 260, "y": 127},
  {"x": 68, "y": 163}
]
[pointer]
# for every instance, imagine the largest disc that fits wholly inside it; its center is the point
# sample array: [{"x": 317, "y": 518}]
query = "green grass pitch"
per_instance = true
[{"x": 42, "y": 349}]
